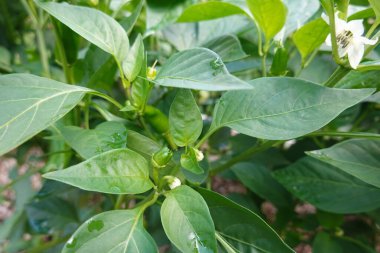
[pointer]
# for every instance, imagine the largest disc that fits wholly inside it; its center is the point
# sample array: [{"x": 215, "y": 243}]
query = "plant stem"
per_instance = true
[
  {"x": 38, "y": 24},
  {"x": 346, "y": 134},
  {"x": 119, "y": 201},
  {"x": 205, "y": 137},
  {"x": 244, "y": 156},
  {"x": 373, "y": 28},
  {"x": 108, "y": 98},
  {"x": 338, "y": 74},
  {"x": 264, "y": 64},
  {"x": 334, "y": 44}
]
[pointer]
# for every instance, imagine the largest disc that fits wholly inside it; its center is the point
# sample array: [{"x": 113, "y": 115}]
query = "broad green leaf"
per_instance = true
[
  {"x": 189, "y": 161},
  {"x": 199, "y": 69},
  {"x": 187, "y": 221},
  {"x": 243, "y": 229},
  {"x": 366, "y": 13},
  {"x": 326, "y": 243},
  {"x": 270, "y": 15},
  {"x": 185, "y": 119},
  {"x": 129, "y": 22},
  {"x": 119, "y": 171},
  {"x": 135, "y": 58},
  {"x": 51, "y": 213},
  {"x": 299, "y": 12},
  {"x": 327, "y": 187},
  {"x": 369, "y": 65},
  {"x": 209, "y": 10},
  {"x": 141, "y": 88},
  {"x": 116, "y": 231},
  {"x": 93, "y": 25},
  {"x": 357, "y": 79},
  {"x": 90, "y": 142},
  {"x": 360, "y": 158},
  {"x": 283, "y": 108},
  {"x": 29, "y": 104},
  {"x": 376, "y": 7},
  {"x": 310, "y": 37},
  {"x": 228, "y": 47},
  {"x": 260, "y": 181}
]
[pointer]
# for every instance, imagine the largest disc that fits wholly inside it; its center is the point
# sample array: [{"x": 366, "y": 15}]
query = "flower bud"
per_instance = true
[
  {"x": 174, "y": 183},
  {"x": 198, "y": 154},
  {"x": 162, "y": 157},
  {"x": 151, "y": 73}
]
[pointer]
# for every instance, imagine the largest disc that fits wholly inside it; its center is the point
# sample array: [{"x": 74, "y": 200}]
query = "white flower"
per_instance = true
[
  {"x": 349, "y": 39},
  {"x": 174, "y": 183}
]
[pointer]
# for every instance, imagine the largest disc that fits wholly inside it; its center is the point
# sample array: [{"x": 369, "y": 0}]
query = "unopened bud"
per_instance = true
[
  {"x": 175, "y": 182},
  {"x": 198, "y": 154},
  {"x": 162, "y": 157}
]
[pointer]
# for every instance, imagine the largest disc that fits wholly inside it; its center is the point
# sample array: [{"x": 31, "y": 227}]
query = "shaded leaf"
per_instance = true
[
  {"x": 327, "y": 187},
  {"x": 243, "y": 229},
  {"x": 228, "y": 47},
  {"x": 135, "y": 59},
  {"x": 360, "y": 158}
]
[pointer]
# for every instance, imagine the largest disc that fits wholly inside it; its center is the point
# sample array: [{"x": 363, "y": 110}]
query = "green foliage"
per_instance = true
[{"x": 181, "y": 142}]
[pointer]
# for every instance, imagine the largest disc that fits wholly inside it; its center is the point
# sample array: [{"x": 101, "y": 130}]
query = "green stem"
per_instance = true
[
  {"x": 224, "y": 243},
  {"x": 119, "y": 201},
  {"x": 264, "y": 64},
  {"x": 331, "y": 14},
  {"x": 148, "y": 201},
  {"x": 108, "y": 98},
  {"x": 143, "y": 124},
  {"x": 339, "y": 73},
  {"x": 244, "y": 156},
  {"x": 205, "y": 137},
  {"x": 373, "y": 28},
  {"x": 346, "y": 135},
  {"x": 38, "y": 24},
  {"x": 86, "y": 110},
  {"x": 62, "y": 54}
]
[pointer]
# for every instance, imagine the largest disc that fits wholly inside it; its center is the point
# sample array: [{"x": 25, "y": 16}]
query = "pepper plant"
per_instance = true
[{"x": 190, "y": 126}]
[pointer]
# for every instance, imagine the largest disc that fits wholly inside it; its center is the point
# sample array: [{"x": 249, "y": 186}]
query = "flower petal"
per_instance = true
[
  {"x": 356, "y": 27},
  {"x": 355, "y": 53},
  {"x": 366, "y": 41},
  {"x": 343, "y": 51},
  {"x": 340, "y": 25}
]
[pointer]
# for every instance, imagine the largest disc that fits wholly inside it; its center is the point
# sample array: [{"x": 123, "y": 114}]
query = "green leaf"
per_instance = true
[
  {"x": 325, "y": 243},
  {"x": 299, "y": 12},
  {"x": 243, "y": 229},
  {"x": 364, "y": 14},
  {"x": 228, "y": 47},
  {"x": 187, "y": 221},
  {"x": 369, "y": 65},
  {"x": 199, "y": 69},
  {"x": 119, "y": 171},
  {"x": 208, "y": 11},
  {"x": 51, "y": 213},
  {"x": 260, "y": 181},
  {"x": 189, "y": 162},
  {"x": 141, "y": 88},
  {"x": 115, "y": 231},
  {"x": 129, "y": 22},
  {"x": 283, "y": 108},
  {"x": 29, "y": 104},
  {"x": 310, "y": 37},
  {"x": 376, "y": 7},
  {"x": 185, "y": 119},
  {"x": 88, "y": 143},
  {"x": 93, "y": 25},
  {"x": 327, "y": 187},
  {"x": 270, "y": 15},
  {"x": 357, "y": 79},
  {"x": 135, "y": 58},
  {"x": 360, "y": 158}
]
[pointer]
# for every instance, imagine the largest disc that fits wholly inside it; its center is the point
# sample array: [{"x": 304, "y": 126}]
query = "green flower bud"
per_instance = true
[
  {"x": 151, "y": 73},
  {"x": 162, "y": 157}
]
